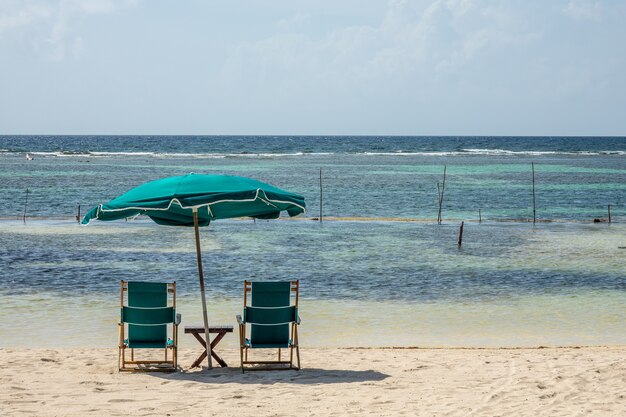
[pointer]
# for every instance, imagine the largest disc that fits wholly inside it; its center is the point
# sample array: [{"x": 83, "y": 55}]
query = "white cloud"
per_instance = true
[
  {"x": 17, "y": 14},
  {"x": 471, "y": 58},
  {"x": 411, "y": 38},
  {"x": 293, "y": 23},
  {"x": 49, "y": 27},
  {"x": 420, "y": 66},
  {"x": 584, "y": 9}
]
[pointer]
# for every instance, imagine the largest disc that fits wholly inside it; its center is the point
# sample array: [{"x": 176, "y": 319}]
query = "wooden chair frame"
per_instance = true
[
  {"x": 294, "y": 291},
  {"x": 165, "y": 365}
]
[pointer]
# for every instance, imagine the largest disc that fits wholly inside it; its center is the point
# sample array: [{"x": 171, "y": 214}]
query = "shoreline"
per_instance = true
[{"x": 522, "y": 322}]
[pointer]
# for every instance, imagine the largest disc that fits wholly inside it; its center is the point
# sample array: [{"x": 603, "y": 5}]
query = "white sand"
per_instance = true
[{"x": 333, "y": 382}]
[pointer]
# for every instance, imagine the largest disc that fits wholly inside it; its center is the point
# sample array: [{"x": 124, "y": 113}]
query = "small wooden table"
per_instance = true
[{"x": 221, "y": 332}]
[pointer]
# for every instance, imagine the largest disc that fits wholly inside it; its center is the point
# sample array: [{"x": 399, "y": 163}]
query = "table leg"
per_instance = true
[
  {"x": 213, "y": 344},
  {"x": 214, "y": 355}
]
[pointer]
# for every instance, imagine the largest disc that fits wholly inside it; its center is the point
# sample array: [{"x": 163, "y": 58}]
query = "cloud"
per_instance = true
[
  {"x": 421, "y": 66},
  {"x": 49, "y": 27},
  {"x": 293, "y": 23},
  {"x": 411, "y": 39},
  {"x": 584, "y": 9},
  {"x": 17, "y": 14},
  {"x": 419, "y": 61}
]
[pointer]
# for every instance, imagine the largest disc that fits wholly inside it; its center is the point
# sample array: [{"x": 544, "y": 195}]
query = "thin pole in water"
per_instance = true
[
  {"x": 609, "y": 213},
  {"x": 78, "y": 214},
  {"x": 438, "y": 202},
  {"x": 321, "y": 195},
  {"x": 534, "y": 206},
  {"x": 443, "y": 189},
  {"x": 25, "y": 205},
  {"x": 480, "y": 218},
  {"x": 460, "y": 240}
]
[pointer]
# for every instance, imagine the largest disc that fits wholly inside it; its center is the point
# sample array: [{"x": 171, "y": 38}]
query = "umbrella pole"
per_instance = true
[{"x": 201, "y": 275}]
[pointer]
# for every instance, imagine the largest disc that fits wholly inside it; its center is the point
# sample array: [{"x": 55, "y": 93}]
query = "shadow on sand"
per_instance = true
[{"x": 303, "y": 376}]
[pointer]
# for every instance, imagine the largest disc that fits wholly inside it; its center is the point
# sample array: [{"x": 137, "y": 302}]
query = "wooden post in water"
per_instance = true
[
  {"x": 78, "y": 214},
  {"x": 321, "y": 195},
  {"x": 534, "y": 206},
  {"x": 460, "y": 234},
  {"x": 25, "y": 205},
  {"x": 438, "y": 203},
  {"x": 609, "y": 213},
  {"x": 443, "y": 189},
  {"x": 480, "y": 218}
]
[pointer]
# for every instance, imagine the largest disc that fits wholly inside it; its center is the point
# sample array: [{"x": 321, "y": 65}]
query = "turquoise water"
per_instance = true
[
  {"x": 336, "y": 260},
  {"x": 576, "y": 178},
  {"x": 395, "y": 282}
]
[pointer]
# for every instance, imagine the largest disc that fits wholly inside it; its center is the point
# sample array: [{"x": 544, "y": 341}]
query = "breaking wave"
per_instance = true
[{"x": 176, "y": 155}]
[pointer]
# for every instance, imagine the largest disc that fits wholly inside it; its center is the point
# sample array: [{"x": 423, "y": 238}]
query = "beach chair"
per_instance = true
[
  {"x": 270, "y": 321},
  {"x": 146, "y": 315}
]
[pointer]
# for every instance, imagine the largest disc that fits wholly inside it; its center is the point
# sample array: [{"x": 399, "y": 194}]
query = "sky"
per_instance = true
[{"x": 291, "y": 67}]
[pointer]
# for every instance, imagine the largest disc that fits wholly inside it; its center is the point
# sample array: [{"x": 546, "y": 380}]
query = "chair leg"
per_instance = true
[
  {"x": 120, "y": 347},
  {"x": 298, "y": 356},
  {"x": 297, "y": 343},
  {"x": 242, "y": 338},
  {"x": 175, "y": 353}
]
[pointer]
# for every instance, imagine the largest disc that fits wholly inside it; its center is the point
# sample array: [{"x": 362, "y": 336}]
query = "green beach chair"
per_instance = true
[
  {"x": 270, "y": 321},
  {"x": 147, "y": 315}
]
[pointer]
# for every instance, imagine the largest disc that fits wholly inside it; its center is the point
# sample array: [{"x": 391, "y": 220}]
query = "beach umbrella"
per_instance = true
[{"x": 196, "y": 200}]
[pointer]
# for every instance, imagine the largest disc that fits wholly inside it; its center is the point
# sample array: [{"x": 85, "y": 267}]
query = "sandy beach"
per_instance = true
[{"x": 568, "y": 381}]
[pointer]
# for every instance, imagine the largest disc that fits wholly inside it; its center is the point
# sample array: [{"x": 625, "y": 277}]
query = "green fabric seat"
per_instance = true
[{"x": 272, "y": 320}]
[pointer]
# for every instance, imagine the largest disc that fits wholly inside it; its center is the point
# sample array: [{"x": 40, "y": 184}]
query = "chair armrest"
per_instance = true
[
  {"x": 240, "y": 320},
  {"x": 179, "y": 318}
]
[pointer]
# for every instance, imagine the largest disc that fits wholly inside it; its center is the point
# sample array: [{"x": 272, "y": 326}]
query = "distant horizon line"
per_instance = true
[{"x": 311, "y": 135}]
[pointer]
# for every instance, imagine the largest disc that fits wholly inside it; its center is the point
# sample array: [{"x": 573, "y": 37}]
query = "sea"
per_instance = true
[{"x": 539, "y": 263}]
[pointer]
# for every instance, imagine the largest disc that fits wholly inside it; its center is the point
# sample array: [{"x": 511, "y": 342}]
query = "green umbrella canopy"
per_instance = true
[{"x": 170, "y": 201}]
